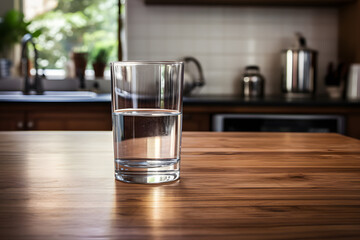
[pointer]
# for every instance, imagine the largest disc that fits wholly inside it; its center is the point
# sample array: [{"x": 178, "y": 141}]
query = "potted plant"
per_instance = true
[
  {"x": 99, "y": 62},
  {"x": 12, "y": 28}
]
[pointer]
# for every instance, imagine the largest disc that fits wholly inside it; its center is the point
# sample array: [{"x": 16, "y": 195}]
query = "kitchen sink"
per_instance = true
[{"x": 48, "y": 95}]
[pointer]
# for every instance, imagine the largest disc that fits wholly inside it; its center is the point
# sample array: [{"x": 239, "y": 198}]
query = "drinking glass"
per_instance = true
[{"x": 147, "y": 120}]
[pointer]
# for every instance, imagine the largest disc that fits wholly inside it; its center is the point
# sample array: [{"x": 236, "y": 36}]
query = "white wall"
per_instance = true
[{"x": 226, "y": 39}]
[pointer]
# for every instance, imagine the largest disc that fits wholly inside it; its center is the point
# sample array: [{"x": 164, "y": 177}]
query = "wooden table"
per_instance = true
[{"x": 60, "y": 185}]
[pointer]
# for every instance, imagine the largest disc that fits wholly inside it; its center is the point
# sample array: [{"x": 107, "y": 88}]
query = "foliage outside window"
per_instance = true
[{"x": 73, "y": 25}]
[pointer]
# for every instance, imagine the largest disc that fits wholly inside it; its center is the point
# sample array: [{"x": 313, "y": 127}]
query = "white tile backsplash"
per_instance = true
[{"x": 226, "y": 39}]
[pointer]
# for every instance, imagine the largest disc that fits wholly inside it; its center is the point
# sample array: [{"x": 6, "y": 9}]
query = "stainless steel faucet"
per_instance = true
[{"x": 36, "y": 84}]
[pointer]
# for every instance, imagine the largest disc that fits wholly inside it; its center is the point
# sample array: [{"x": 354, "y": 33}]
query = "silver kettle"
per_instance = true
[
  {"x": 252, "y": 83},
  {"x": 192, "y": 80},
  {"x": 299, "y": 67}
]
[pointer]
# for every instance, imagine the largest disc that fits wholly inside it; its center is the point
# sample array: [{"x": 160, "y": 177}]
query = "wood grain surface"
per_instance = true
[{"x": 60, "y": 185}]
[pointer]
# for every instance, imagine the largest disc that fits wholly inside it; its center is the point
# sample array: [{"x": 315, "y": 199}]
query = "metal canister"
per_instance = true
[
  {"x": 252, "y": 83},
  {"x": 299, "y": 68}
]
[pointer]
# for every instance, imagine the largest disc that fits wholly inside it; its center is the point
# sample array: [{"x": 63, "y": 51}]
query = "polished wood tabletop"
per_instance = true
[{"x": 60, "y": 185}]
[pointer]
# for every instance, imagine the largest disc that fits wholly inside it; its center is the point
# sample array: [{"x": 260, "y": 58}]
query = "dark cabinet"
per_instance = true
[
  {"x": 79, "y": 120},
  {"x": 349, "y": 114},
  {"x": 97, "y": 116},
  {"x": 196, "y": 122},
  {"x": 353, "y": 125},
  {"x": 10, "y": 121},
  {"x": 73, "y": 116},
  {"x": 55, "y": 116}
]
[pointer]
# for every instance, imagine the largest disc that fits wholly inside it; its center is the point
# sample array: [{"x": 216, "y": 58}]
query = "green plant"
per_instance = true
[
  {"x": 101, "y": 55},
  {"x": 12, "y": 28}
]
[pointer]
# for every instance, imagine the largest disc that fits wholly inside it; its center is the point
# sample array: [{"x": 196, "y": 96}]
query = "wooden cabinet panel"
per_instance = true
[
  {"x": 97, "y": 116},
  {"x": 70, "y": 120},
  {"x": 55, "y": 116},
  {"x": 197, "y": 118},
  {"x": 196, "y": 122},
  {"x": 349, "y": 36},
  {"x": 48, "y": 124},
  {"x": 353, "y": 126},
  {"x": 10, "y": 121},
  {"x": 93, "y": 124}
]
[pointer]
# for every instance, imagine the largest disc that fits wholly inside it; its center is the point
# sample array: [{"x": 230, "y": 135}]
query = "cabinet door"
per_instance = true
[
  {"x": 353, "y": 126},
  {"x": 75, "y": 120},
  {"x": 196, "y": 122},
  {"x": 10, "y": 121}
]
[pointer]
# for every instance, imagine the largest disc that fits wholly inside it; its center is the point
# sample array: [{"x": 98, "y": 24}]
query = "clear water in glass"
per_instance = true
[{"x": 147, "y": 145}]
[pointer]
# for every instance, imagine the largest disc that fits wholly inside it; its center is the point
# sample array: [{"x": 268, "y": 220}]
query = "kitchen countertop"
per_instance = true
[
  {"x": 92, "y": 97},
  {"x": 268, "y": 101},
  {"x": 60, "y": 185},
  {"x": 220, "y": 100}
]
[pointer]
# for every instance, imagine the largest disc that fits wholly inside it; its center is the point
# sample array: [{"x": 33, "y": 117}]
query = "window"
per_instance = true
[{"x": 73, "y": 25}]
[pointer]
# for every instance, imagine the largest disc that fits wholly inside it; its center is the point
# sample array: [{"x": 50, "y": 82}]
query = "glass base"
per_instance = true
[{"x": 147, "y": 171}]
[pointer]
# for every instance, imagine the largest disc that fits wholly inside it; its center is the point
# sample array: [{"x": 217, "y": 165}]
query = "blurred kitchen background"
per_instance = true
[{"x": 262, "y": 65}]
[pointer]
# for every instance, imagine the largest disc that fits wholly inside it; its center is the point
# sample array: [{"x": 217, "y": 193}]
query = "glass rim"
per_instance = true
[{"x": 124, "y": 63}]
